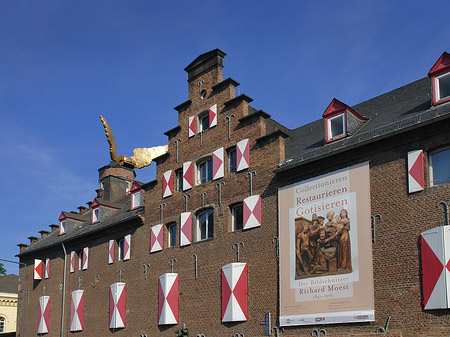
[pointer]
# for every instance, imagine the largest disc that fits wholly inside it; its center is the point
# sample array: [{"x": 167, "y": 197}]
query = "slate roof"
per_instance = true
[
  {"x": 9, "y": 284},
  {"x": 396, "y": 111},
  {"x": 77, "y": 230}
]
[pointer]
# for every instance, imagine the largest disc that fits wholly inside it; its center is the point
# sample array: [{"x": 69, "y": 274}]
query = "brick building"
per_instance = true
[{"x": 198, "y": 246}]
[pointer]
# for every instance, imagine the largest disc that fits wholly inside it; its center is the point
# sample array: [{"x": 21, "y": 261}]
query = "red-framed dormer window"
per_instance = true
[
  {"x": 135, "y": 196},
  {"x": 95, "y": 206},
  {"x": 440, "y": 79},
  {"x": 62, "y": 224},
  {"x": 337, "y": 119}
]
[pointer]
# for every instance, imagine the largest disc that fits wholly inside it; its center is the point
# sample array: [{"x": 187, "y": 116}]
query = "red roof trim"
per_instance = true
[
  {"x": 95, "y": 203},
  {"x": 136, "y": 187},
  {"x": 62, "y": 217},
  {"x": 336, "y": 107},
  {"x": 442, "y": 65}
]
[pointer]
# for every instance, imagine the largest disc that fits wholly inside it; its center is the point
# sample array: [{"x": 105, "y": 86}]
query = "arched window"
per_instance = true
[{"x": 2, "y": 324}]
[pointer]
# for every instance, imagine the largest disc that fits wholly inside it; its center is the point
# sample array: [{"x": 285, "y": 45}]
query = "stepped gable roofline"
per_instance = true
[
  {"x": 225, "y": 83},
  {"x": 183, "y": 106},
  {"x": 238, "y": 99},
  {"x": 441, "y": 65},
  {"x": 173, "y": 131},
  {"x": 204, "y": 62},
  {"x": 257, "y": 113}
]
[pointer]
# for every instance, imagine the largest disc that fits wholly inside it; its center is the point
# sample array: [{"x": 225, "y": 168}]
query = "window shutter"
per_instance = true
[
  {"x": 416, "y": 181},
  {"x": 435, "y": 252},
  {"x": 156, "y": 238},
  {"x": 117, "y": 305},
  {"x": 234, "y": 292},
  {"x": 188, "y": 175},
  {"x": 126, "y": 247},
  {"x": 252, "y": 212},
  {"x": 72, "y": 261},
  {"x": 37, "y": 269},
  {"x": 111, "y": 251},
  {"x": 242, "y": 155},
  {"x": 84, "y": 265},
  {"x": 44, "y": 314},
  {"x": 192, "y": 126},
  {"x": 168, "y": 299},
  {"x": 77, "y": 311},
  {"x": 217, "y": 159},
  {"x": 186, "y": 229},
  {"x": 213, "y": 116},
  {"x": 168, "y": 184},
  {"x": 47, "y": 268}
]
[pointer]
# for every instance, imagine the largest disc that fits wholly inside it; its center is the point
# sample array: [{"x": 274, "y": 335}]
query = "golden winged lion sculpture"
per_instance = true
[{"x": 142, "y": 157}]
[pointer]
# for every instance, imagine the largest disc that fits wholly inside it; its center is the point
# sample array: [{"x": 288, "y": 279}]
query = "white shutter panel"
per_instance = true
[
  {"x": 85, "y": 258},
  {"x": 217, "y": 159},
  {"x": 111, "y": 252},
  {"x": 127, "y": 247}
]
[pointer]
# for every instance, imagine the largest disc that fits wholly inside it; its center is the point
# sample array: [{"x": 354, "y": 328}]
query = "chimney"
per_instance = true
[
  {"x": 54, "y": 227},
  {"x": 44, "y": 233},
  {"x": 99, "y": 193},
  {"x": 89, "y": 203},
  {"x": 82, "y": 209},
  {"x": 114, "y": 180},
  {"x": 33, "y": 240},
  {"x": 22, "y": 246}
]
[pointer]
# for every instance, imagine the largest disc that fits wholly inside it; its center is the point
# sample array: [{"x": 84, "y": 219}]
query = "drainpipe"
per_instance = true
[{"x": 64, "y": 289}]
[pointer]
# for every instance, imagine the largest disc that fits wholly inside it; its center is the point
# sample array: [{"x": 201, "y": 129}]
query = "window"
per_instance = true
[
  {"x": 172, "y": 229},
  {"x": 136, "y": 199},
  {"x": 204, "y": 122},
  {"x": 179, "y": 183},
  {"x": 120, "y": 244},
  {"x": 80, "y": 260},
  {"x": 205, "y": 225},
  {"x": 440, "y": 167},
  {"x": 443, "y": 87},
  {"x": 204, "y": 172},
  {"x": 232, "y": 160},
  {"x": 95, "y": 215},
  {"x": 237, "y": 217},
  {"x": 336, "y": 126},
  {"x": 62, "y": 227},
  {"x": 2, "y": 324}
]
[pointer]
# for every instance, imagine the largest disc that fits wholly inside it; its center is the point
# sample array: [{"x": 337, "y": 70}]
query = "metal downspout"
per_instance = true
[{"x": 63, "y": 290}]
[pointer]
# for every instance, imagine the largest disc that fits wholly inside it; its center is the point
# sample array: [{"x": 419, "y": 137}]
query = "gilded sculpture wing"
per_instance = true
[{"x": 110, "y": 139}]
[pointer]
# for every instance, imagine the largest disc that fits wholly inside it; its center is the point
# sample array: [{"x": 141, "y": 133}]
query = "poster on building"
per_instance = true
[{"x": 326, "y": 274}]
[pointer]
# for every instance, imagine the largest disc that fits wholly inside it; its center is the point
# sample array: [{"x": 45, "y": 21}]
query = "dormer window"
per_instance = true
[
  {"x": 440, "y": 77},
  {"x": 135, "y": 196},
  {"x": 95, "y": 215},
  {"x": 341, "y": 121},
  {"x": 62, "y": 227}
]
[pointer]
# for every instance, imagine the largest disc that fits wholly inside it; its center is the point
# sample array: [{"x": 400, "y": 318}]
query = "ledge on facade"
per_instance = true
[
  {"x": 161, "y": 157},
  {"x": 275, "y": 133},
  {"x": 225, "y": 83},
  {"x": 149, "y": 185},
  {"x": 258, "y": 113},
  {"x": 173, "y": 131},
  {"x": 183, "y": 105},
  {"x": 237, "y": 100}
]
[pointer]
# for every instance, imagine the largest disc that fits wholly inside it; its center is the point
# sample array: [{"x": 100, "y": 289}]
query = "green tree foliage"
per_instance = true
[{"x": 2, "y": 270}]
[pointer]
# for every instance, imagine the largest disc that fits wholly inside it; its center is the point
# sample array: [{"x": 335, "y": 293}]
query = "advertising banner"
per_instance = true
[{"x": 326, "y": 272}]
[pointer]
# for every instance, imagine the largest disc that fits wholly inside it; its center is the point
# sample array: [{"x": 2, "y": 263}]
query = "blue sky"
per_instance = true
[{"x": 63, "y": 63}]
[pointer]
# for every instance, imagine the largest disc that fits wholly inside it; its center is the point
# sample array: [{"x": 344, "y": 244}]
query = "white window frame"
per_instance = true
[
  {"x": 233, "y": 216},
  {"x": 344, "y": 127},
  {"x": 96, "y": 214},
  {"x": 136, "y": 199},
  {"x": 230, "y": 160},
  {"x": 430, "y": 165},
  {"x": 437, "y": 87},
  {"x": 121, "y": 246},
  {"x": 199, "y": 170},
  {"x": 2, "y": 324},
  {"x": 208, "y": 235},
  {"x": 202, "y": 117},
  {"x": 170, "y": 236},
  {"x": 62, "y": 225},
  {"x": 179, "y": 178},
  {"x": 80, "y": 259}
]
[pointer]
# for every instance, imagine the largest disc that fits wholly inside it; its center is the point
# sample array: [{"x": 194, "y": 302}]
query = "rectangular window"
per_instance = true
[
  {"x": 443, "y": 86},
  {"x": 120, "y": 244},
  {"x": 136, "y": 200},
  {"x": 179, "y": 177},
  {"x": 80, "y": 259},
  {"x": 204, "y": 171},
  {"x": 237, "y": 217},
  {"x": 440, "y": 167},
  {"x": 62, "y": 227},
  {"x": 172, "y": 229},
  {"x": 205, "y": 225},
  {"x": 336, "y": 126},
  {"x": 204, "y": 122},
  {"x": 232, "y": 160},
  {"x": 95, "y": 214}
]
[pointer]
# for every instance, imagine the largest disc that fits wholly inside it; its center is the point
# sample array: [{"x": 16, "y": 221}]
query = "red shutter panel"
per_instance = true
[
  {"x": 213, "y": 116},
  {"x": 192, "y": 126},
  {"x": 234, "y": 292},
  {"x": 156, "y": 238},
  {"x": 37, "y": 269},
  {"x": 77, "y": 311},
  {"x": 127, "y": 247},
  {"x": 117, "y": 305},
  {"x": 242, "y": 155},
  {"x": 44, "y": 314},
  {"x": 186, "y": 229},
  {"x": 168, "y": 184},
  {"x": 84, "y": 264},
  {"x": 72, "y": 261},
  {"x": 168, "y": 299},
  {"x": 252, "y": 212},
  {"x": 217, "y": 159},
  {"x": 111, "y": 251},
  {"x": 416, "y": 181},
  {"x": 188, "y": 175}
]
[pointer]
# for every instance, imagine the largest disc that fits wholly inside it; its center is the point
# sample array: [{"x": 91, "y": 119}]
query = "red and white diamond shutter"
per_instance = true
[
  {"x": 168, "y": 299},
  {"x": 156, "y": 238},
  {"x": 213, "y": 116},
  {"x": 242, "y": 155},
  {"x": 84, "y": 262},
  {"x": 127, "y": 247},
  {"x": 192, "y": 126},
  {"x": 186, "y": 229},
  {"x": 168, "y": 184},
  {"x": 37, "y": 269},
  {"x": 252, "y": 212},
  {"x": 77, "y": 311},
  {"x": 111, "y": 251},
  {"x": 217, "y": 162},
  {"x": 416, "y": 181},
  {"x": 73, "y": 257},
  {"x": 435, "y": 252},
  {"x": 117, "y": 305},
  {"x": 47, "y": 268},
  {"x": 188, "y": 175},
  {"x": 44, "y": 314},
  {"x": 234, "y": 292}
]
